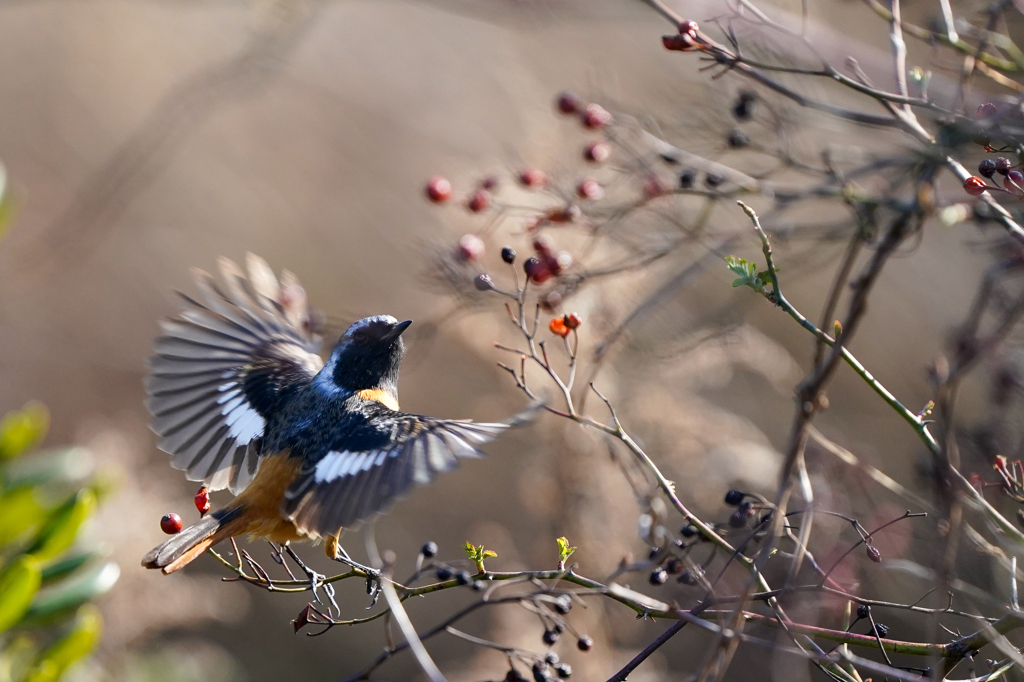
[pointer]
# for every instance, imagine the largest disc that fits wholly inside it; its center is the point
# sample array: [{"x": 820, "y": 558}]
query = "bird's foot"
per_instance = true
[
  {"x": 316, "y": 581},
  {"x": 373, "y": 576}
]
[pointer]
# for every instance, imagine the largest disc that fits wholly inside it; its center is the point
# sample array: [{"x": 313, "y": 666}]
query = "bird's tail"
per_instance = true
[{"x": 178, "y": 551}]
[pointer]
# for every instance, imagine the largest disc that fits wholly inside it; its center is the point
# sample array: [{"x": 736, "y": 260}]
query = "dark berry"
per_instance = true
[
  {"x": 508, "y": 254},
  {"x": 688, "y": 531},
  {"x": 438, "y": 189},
  {"x": 863, "y": 610},
  {"x": 563, "y": 604},
  {"x": 738, "y": 519},
  {"x": 483, "y": 282},
  {"x": 171, "y": 524},
  {"x": 734, "y": 497},
  {"x": 658, "y": 576},
  {"x": 743, "y": 110},
  {"x": 490, "y": 183},
  {"x": 429, "y": 550},
  {"x": 514, "y": 676},
  {"x": 585, "y": 643},
  {"x": 674, "y": 566},
  {"x": 874, "y": 554},
  {"x": 1003, "y": 165},
  {"x": 551, "y": 658},
  {"x": 745, "y": 507},
  {"x": 569, "y": 102},
  {"x": 737, "y": 139},
  {"x": 686, "y": 179},
  {"x": 444, "y": 573},
  {"x": 986, "y": 110},
  {"x": 558, "y": 627},
  {"x": 564, "y": 671},
  {"x": 691, "y": 576},
  {"x": 653, "y": 554},
  {"x": 463, "y": 577},
  {"x": 540, "y": 672},
  {"x": 713, "y": 180},
  {"x": 880, "y": 629},
  {"x": 550, "y": 637},
  {"x": 1014, "y": 182},
  {"x": 987, "y": 168}
]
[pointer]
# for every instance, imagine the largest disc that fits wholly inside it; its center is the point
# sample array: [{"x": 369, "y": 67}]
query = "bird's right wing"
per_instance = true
[
  {"x": 222, "y": 365},
  {"x": 375, "y": 463}
]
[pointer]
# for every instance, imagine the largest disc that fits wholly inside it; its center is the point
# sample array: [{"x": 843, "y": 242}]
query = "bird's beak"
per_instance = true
[{"x": 397, "y": 331}]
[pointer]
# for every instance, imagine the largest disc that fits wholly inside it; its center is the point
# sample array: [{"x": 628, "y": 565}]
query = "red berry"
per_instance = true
[
  {"x": 533, "y": 178},
  {"x": 595, "y": 116},
  {"x": 439, "y": 189},
  {"x": 572, "y": 321},
  {"x": 566, "y": 214},
  {"x": 560, "y": 262},
  {"x": 537, "y": 270},
  {"x": 597, "y": 152},
  {"x": 490, "y": 183},
  {"x": 171, "y": 524},
  {"x": 974, "y": 185},
  {"x": 533, "y": 222},
  {"x": 1003, "y": 165},
  {"x": 569, "y": 102},
  {"x": 203, "y": 500},
  {"x": 688, "y": 26},
  {"x": 683, "y": 42},
  {"x": 874, "y": 554},
  {"x": 471, "y": 247},
  {"x": 589, "y": 188},
  {"x": 653, "y": 188},
  {"x": 542, "y": 245},
  {"x": 480, "y": 201}
]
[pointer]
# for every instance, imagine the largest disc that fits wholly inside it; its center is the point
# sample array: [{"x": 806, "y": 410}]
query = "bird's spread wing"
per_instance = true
[
  {"x": 221, "y": 366},
  {"x": 375, "y": 463}
]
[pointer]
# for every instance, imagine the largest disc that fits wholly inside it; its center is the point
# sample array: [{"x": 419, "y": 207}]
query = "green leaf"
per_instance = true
[
  {"x": 60, "y": 465},
  {"x": 564, "y": 550},
  {"x": 74, "y": 646},
  {"x": 61, "y": 568},
  {"x": 18, "y": 586},
  {"x": 61, "y": 528},
  {"x": 72, "y": 593},
  {"x": 22, "y": 429},
  {"x": 20, "y": 510}
]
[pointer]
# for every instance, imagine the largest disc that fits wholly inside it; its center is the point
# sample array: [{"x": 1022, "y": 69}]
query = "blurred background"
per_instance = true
[{"x": 142, "y": 138}]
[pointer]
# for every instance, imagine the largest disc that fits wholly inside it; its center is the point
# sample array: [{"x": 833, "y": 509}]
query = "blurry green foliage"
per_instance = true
[{"x": 47, "y": 575}]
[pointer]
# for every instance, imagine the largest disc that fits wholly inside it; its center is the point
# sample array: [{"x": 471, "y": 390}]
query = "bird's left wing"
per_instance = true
[
  {"x": 221, "y": 367},
  {"x": 377, "y": 462}
]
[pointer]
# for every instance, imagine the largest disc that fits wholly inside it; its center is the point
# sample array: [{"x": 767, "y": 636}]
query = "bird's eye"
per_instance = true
[{"x": 359, "y": 337}]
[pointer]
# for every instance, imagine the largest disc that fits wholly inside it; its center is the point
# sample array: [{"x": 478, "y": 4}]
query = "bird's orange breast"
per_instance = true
[
  {"x": 261, "y": 500},
  {"x": 381, "y": 396}
]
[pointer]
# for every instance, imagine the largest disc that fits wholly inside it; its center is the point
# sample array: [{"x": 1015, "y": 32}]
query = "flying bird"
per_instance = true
[{"x": 241, "y": 399}]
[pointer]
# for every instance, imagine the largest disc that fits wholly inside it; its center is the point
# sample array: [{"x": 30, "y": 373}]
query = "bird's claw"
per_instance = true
[{"x": 373, "y": 587}]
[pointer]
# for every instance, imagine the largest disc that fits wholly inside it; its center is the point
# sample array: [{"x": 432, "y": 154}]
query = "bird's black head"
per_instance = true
[{"x": 369, "y": 355}]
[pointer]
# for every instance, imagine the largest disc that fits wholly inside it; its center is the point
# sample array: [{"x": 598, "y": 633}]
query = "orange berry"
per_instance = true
[{"x": 558, "y": 328}]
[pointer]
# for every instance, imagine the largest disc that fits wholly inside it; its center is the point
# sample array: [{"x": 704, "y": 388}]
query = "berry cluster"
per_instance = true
[{"x": 989, "y": 115}]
